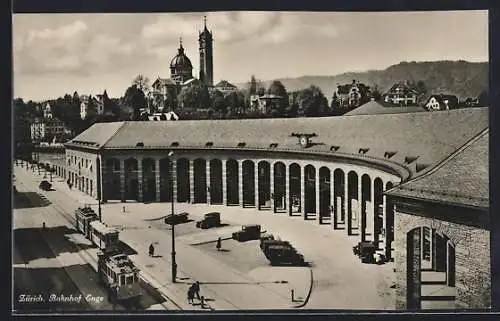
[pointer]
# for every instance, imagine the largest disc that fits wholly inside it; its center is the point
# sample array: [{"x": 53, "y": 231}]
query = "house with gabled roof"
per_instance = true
[{"x": 402, "y": 93}]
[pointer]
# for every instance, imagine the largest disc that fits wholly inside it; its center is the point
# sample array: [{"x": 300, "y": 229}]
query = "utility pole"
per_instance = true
[{"x": 174, "y": 264}]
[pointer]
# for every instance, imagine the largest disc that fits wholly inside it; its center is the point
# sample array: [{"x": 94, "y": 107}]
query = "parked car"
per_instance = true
[
  {"x": 44, "y": 185},
  {"x": 265, "y": 237},
  {"x": 267, "y": 243},
  {"x": 173, "y": 219},
  {"x": 283, "y": 254},
  {"x": 209, "y": 220},
  {"x": 247, "y": 233},
  {"x": 365, "y": 251}
]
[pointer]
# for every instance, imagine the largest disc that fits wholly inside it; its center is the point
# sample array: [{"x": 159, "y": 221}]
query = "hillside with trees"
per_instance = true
[{"x": 461, "y": 78}]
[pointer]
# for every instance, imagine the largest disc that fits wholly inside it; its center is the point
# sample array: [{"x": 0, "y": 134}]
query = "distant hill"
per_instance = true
[{"x": 461, "y": 78}]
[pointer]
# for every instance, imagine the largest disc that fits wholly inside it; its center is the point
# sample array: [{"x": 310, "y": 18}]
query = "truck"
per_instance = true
[
  {"x": 247, "y": 233},
  {"x": 279, "y": 254},
  {"x": 209, "y": 220}
]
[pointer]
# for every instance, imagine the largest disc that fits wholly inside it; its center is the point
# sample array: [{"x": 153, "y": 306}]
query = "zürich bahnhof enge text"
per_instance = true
[{"x": 416, "y": 184}]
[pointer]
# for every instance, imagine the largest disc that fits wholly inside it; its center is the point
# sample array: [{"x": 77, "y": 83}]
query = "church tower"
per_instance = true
[{"x": 206, "y": 56}]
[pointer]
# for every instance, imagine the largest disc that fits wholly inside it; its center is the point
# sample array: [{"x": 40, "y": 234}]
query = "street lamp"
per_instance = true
[{"x": 174, "y": 264}]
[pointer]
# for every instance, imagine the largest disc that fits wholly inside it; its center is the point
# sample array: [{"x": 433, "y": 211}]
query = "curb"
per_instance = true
[{"x": 302, "y": 304}]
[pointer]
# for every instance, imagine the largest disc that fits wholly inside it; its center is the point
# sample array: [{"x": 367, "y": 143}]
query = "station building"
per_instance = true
[{"x": 352, "y": 172}]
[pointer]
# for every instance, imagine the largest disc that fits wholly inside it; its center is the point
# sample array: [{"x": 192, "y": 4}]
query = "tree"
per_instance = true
[
  {"x": 375, "y": 93},
  {"x": 141, "y": 82},
  {"x": 422, "y": 90},
  {"x": 218, "y": 101},
  {"x": 252, "y": 86},
  {"x": 277, "y": 88},
  {"x": 234, "y": 102},
  {"x": 134, "y": 100},
  {"x": 195, "y": 96},
  {"x": 312, "y": 102}
]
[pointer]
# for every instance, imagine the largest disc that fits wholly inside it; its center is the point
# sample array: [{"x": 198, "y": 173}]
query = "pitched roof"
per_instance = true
[
  {"x": 403, "y": 88},
  {"x": 430, "y": 137},
  {"x": 461, "y": 179},
  {"x": 224, "y": 83},
  {"x": 164, "y": 81},
  {"x": 97, "y": 135},
  {"x": 374, "y": 108}
]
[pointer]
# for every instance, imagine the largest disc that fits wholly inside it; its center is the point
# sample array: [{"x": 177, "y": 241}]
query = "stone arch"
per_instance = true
[
  {"x": 389, "y": 217},
  {"x": 148, "y": 179},
  {"x": 166, "y": 179},
  {"x": 111, "y": 179},
  {"x": 131, "y": 179},
  {"x": 366, "y": 214},
  {"x": 325, "y": 193},
  {"x": 183, "y": 180},
  {"x": 309, "y": 186},
  {"x": 200, "y": 180},
  {"x": 378, "y": 189},
  {"x": 280, "y": 192},
  {"x": 295, "y": 189},
  {"x": 264, "y": 184},
  {"x": 248, "y": 173},
  {"x": 430, "y": 269},
  {"x": 215, "y": 187},
  {"x": 232, "y": 182},
  {"x": 339, "y": 205},
  {"x": 352, "y": 203}
]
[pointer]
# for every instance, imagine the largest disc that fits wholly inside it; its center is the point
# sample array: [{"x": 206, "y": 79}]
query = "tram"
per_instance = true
[
  {"x": 106, "y": 238},
  {"x": 117, "y": 272},
  {"x": 83, "y": 217}
]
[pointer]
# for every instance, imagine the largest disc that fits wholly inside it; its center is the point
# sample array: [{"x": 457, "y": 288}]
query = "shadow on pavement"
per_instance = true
[
  {"x": 42, "y": 282},
  {"x": 26, "y": 238},
  {"x": 150, "y": 296},
  {"x": 126, "y": 249},
  {"x": 29, "y": 200}
]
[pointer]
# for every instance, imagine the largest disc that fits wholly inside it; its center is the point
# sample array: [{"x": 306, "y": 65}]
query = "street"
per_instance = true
[{"x": 51, "y": 272}]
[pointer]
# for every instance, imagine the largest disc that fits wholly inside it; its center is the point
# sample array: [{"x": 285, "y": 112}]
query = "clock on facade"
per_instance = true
[{"x": 303, "y": 141}]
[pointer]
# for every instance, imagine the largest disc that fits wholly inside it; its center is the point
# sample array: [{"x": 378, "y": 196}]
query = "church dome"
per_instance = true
[{"x": 181, "y": 61}]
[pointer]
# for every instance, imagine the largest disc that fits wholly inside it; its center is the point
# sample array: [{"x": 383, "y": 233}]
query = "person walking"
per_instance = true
[
  {"x": 190, "y": 294},
  {"x": 196, "y": 288},
  {"x": 151, "y": 250},
  {"x": 219, "y": 244}
]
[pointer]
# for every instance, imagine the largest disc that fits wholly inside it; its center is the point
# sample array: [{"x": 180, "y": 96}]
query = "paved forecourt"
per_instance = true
[{"x": 240, "y": 277}]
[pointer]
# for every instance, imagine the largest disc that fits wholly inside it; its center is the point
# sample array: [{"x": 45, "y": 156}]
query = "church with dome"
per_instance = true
[{"x": 165, "y": 90}]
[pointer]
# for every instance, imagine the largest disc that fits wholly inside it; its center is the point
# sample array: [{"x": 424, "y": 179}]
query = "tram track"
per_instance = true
[{"x": 88, "y": 257}]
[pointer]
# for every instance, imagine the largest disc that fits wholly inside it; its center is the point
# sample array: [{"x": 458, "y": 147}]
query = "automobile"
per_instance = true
[
  {"x": 365, "y": 251},
  {"x": 209, "y": 220},
  {"x": 46, "y": 186},
  {"x": 265, "y": 237},
  {"x": 267, "y": 243},
  {"x": 174, "y": 219},
  {"x": 283, "y": 254},
  {"x": 247, "y": 233}
]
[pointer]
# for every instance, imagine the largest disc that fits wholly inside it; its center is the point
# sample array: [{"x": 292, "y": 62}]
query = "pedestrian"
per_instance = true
[
  {"x": 151, "y": 250},
  {"x": 44, "y": 225},
  {"x": 123, "y": 209},
  {"x": 190, "y": 295},
  {"x": 196, "y": 287},
  {"x": 219, "y": 244},
  {"x": 202, "y": 302}
]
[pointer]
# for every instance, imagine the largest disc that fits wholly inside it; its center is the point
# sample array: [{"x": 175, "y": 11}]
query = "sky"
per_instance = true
[{"x": 55, "y": 54}]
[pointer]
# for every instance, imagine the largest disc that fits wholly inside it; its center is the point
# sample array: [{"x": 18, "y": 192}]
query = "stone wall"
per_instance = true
[{"x": 472, "y": 248}]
